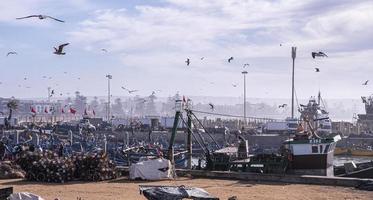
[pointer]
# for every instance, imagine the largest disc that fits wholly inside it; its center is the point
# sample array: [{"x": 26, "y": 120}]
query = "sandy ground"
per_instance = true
[{"x": 125, "y": 189}]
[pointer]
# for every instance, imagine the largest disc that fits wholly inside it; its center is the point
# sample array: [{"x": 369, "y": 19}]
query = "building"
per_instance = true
[{"x": 365, "y": 121}]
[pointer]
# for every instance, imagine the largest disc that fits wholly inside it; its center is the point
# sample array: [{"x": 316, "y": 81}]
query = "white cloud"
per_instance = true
[{"x": 159, "y": 39}]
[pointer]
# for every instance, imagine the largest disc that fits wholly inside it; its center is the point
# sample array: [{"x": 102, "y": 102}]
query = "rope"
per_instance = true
[
  {"x": 213, "y": 139},
  {"x": 204, "y": 147}
]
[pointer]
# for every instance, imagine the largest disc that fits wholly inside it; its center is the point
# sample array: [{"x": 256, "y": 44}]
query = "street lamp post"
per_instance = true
[
  {"x": 109, "y": 77},
  {"x": 293, "y": 55},
  {"x": 244, "y": 96}
]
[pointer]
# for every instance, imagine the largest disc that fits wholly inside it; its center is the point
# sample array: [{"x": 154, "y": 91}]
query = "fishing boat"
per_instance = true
[{"x": 316, "y": 110}]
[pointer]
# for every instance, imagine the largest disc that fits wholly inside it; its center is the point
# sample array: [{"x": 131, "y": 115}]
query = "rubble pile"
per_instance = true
[
  {"x": 48, "y": 167},
  {"x": 9, "y": 170}
]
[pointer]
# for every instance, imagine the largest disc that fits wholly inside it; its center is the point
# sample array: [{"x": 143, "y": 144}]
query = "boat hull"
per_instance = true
[{"x": 317, "y": 164}]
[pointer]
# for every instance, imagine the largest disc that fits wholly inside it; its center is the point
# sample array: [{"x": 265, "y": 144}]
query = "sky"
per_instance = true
[{"x": 148, "y": 41}]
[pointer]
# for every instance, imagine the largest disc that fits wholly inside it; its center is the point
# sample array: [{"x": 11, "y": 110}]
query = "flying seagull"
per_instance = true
[
  {"x": 247, "y": 64},
  {"x": 211, "y": 106},
  {"x": 11, "y": 52},
  {"x": 283, "y": 105},
  {"x": 366, "y": 82},
  {"x": 230, "y": 59},
  {"x": 60, "y": 49},
  {"x": 234, "y": 85},
  {"x": 318, "y": 54},
  {"x": 129, "y": 91},
  {"x": 364, "y": 99},
  {"x": 41, "y": 17},
  {"x": 317, "y": 69},
  {"x": 187, "y": 61},
  {"x": 104, "y": 50},
  {"x": 202, "y": 58},
  {"x": 132, "y": 91}
]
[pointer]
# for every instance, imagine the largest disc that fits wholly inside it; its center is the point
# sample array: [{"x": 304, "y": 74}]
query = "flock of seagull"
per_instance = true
[{"x": 60, "y": 51}]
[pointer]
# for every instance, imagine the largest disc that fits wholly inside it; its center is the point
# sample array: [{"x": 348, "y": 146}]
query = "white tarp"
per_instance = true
[
  {"x": 24, "y": 196},
  {"x": 156, "y": 169}
]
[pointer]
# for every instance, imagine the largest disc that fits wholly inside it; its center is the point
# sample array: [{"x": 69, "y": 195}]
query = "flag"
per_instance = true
[
  {"x": 72, "y": 110},
  {"x": 33, "y": 110},
  {"x": 93, "y": 112},
  {"x": 46, "y": 110}
]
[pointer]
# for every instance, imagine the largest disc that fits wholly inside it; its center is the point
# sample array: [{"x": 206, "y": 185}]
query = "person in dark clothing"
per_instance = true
[
  {"x": 60, "y": 150},
  {"x": 2, "y": 150},
  {"x": 31, "y": 148}
]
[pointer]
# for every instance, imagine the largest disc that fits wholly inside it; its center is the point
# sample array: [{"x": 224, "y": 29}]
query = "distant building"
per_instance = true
[
  {"x": 344, "y": 128},
  {"x": 365, "y": 121}
]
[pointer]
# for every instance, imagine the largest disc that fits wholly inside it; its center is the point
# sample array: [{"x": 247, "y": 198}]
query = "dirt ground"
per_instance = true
[{"x": 125, "y": 189}]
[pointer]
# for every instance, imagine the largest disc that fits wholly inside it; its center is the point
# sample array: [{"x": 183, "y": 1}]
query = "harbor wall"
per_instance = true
[{"x": 282, "y": 178}]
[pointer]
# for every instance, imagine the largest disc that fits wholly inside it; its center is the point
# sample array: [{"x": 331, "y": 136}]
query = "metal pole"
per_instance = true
[
  {"x": 108, "y": 98},
  {"x": 244, "y": 96},
  {"x": 293, "y": 55},
  {"x": 189, "y": 139},
  {"x": 49, "y": 94}
]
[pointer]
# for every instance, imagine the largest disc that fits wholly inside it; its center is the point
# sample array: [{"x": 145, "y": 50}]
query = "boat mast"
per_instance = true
[
  {"x": 293, "y": 55},
  {"x": 319, "y": 98}
]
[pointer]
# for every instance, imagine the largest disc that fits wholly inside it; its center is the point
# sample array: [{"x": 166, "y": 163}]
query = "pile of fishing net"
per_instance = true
[
  {"x": 49, "y": 167},
  {"x": 9, "y": 170}
]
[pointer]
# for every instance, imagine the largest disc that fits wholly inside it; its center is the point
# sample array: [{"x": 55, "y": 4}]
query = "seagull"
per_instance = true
[
  {"x": 211, "y": 106},
  {"x": 11, "y": 52},
  {"x": 202, "y": 58},
  {"x": 25, "y": 78},
  {"x": 283, "y": 105},
  {"x": 41, "y": 17},
  {"x": 230, "y": 59},
  {"x": 234, "y": 85},
  {"x": 247, "y": 64},
  {"x": 44, "y": 76},
  {"x": 280, "y": 45},
  {"x": 104, "y": 50},
  {"x": 318, "y": 54},
  {"x": 364, "y": 99},
  {"x": 187, "y": 61},
  {"x": 132, "y": 91},
  {"x": 317, "y": 69},
  {"x": 366, "y": 82},
  {"x": 129, "y": 91},
  {"x": 60, "y": 49}
]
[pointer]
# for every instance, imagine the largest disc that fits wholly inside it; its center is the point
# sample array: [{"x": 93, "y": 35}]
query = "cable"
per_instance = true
[{"x": 237, "y": 116}]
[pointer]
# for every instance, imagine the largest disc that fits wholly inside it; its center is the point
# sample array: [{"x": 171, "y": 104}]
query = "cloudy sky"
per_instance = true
[{"x": 148, "y": 41}]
